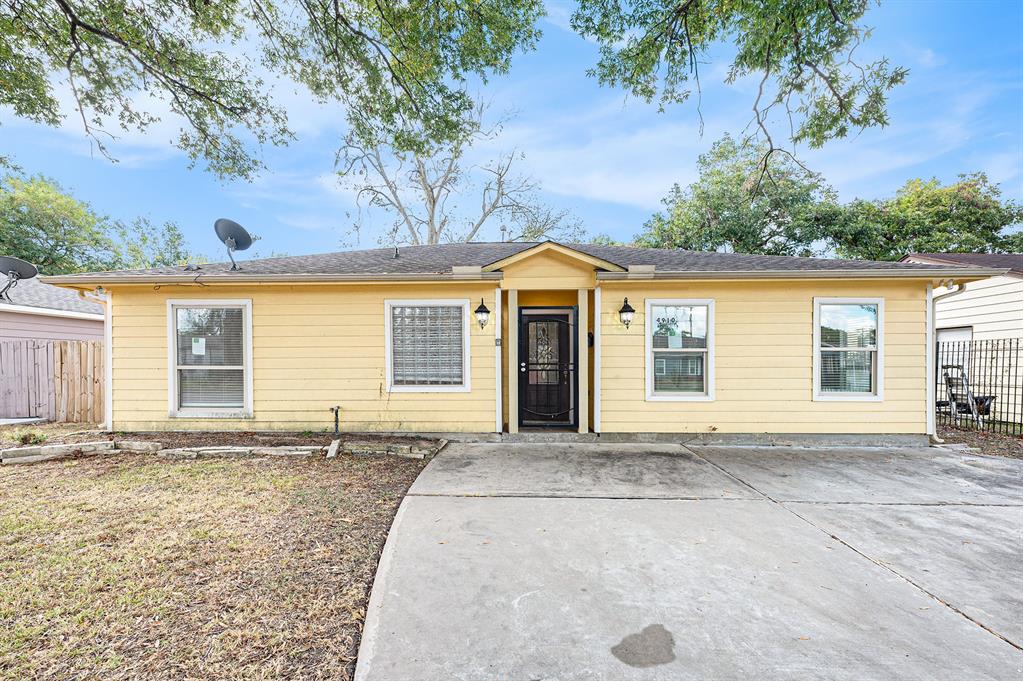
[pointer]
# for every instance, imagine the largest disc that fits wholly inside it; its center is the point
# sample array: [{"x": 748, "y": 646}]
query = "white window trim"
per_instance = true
[
  {"x": 466, "y": 355},
  {"x": 651, "y": 396},
  {"x": 173, "y": 411},
  {"x": 878, "y": 394}
]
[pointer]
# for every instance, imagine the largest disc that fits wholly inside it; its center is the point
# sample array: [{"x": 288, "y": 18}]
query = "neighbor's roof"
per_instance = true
[
  {"x": 1010, "y": 261},
  {"x": 454, "y": 261},
  {"x": 32, "y": 293}
]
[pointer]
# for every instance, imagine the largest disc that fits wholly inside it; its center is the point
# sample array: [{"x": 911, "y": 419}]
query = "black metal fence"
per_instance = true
[{"x": 980, "y": 384}]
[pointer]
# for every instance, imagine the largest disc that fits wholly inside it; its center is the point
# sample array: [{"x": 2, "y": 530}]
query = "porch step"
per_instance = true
[{"x": 554, "y": 436}]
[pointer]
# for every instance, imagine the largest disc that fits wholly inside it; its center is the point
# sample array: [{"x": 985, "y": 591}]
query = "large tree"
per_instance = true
[
  {"x": 968, "y": 216},
  {"x": 802, "y": 53},
  {"x": 43, "y": 224},
  {"x": 397, "y": 67},
  {"x": 722, "y": 211},
  {"x": 438, "y": 195},
  {"x": 400, "y": 68}
]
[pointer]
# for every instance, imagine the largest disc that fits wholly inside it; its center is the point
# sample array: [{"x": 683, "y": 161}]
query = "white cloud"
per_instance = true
[
  {"x": 925, "y": 57},
  {"x": 1002, "y": 168},
  {"x": 559, "y": 14},
  {"x": 608, "y": 152}
]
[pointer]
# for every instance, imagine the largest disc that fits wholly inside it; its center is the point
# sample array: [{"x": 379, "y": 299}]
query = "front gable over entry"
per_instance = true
[{"x": 550, "y": 266}]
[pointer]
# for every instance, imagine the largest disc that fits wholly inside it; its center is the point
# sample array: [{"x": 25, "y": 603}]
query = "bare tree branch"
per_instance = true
[{"x": 440, "y": 182}]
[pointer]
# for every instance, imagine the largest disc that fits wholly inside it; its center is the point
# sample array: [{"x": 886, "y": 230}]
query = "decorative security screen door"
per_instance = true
[{"x": 547, "y": 372}]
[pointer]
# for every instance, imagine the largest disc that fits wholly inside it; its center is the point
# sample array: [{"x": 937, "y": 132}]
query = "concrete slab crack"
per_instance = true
[{"x": 881, "y": 564}]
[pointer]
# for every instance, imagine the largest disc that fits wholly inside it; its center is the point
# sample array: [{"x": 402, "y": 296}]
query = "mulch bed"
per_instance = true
[
  {"x": 993, "y": 444},
  {"x": 131, "y": 567}
]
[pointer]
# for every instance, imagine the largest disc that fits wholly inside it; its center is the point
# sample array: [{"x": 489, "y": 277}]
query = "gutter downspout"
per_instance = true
[{"x": 932, "y": 345}]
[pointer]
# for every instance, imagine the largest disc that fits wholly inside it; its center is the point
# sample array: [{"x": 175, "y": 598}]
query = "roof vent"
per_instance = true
[{"x": 395, "y": 256}]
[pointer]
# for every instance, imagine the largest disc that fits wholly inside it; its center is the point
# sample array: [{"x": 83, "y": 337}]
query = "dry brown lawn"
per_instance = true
[
  {"x": 122, "y": 567},
  {"x": 992, "y": 444},
  {"x": 11, "y": 435}
]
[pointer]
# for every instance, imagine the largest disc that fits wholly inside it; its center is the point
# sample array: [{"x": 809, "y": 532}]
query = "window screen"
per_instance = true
[
  {"x": 427, "y": 345},
  {"x": 848, "y": 347},
  {"x": 210, "y": 356},
  {"x": 679, "y": 348}
]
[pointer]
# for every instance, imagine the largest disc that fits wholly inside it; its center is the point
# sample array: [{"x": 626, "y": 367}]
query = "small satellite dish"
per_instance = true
[
  {"x": 14, "y": 269},
  {"x": 234, "y": 237}
]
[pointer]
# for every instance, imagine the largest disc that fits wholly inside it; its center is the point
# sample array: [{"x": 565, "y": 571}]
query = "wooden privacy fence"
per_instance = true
[{"x": 58, "y": 380}]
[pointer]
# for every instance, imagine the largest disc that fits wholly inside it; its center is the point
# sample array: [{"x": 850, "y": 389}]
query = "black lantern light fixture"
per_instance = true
[
  {"x": 482, "y": 314},
  {"x": 626, "y": 313}
]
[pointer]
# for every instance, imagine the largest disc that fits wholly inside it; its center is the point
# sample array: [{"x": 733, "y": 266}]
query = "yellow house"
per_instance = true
[{"x": 510, "y": 337}]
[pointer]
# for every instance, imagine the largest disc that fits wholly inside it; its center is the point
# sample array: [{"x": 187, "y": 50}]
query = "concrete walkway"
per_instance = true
[{"x": 516, "y": 561}]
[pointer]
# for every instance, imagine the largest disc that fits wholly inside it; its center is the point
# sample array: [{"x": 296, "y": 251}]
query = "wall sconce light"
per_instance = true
[
  {"x": 482, "y": 314},
  {"x": 626, "y": 313}
]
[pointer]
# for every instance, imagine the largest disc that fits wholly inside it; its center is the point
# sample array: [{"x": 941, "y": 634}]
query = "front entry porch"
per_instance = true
[{"x": 548, "y": 354}]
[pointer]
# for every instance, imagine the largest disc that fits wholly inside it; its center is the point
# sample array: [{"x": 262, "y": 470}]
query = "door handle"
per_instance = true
[{"x": 522, "y": 367}]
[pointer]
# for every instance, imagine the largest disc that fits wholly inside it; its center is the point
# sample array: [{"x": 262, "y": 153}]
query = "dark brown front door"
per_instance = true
[{"x": 547, "y": 368}]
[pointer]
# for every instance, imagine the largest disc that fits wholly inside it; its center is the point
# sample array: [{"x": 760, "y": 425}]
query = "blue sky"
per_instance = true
[{"x": 605, "y": 157}]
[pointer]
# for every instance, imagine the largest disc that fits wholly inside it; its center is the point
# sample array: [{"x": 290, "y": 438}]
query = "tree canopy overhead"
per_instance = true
[
  {"x": 802, "y": 52},
  {"x": 397, "y": 67},
  {"x": 400, "y": 69}
]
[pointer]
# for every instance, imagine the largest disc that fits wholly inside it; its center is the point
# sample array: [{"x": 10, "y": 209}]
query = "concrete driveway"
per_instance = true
[{"x": 524, "y": 561}]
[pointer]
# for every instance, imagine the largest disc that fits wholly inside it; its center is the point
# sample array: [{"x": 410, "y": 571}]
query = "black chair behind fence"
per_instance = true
[{"x": 980, "y": 384}]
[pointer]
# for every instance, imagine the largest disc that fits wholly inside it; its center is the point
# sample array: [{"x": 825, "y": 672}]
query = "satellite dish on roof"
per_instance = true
[
  {"x": 233, "y": 236},
  {"x": 14, "y": 269}
]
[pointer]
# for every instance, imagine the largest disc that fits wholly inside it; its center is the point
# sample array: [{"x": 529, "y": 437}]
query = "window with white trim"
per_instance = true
[
  {"x": 679, "y": 349},
  {"x": 210, "y": 357},
  {"x": 428, "y": 345},
  {"x": 847, "y": 336}
]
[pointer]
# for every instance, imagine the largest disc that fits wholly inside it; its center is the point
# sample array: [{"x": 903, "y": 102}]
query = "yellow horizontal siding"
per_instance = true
[
  {"x": 548, "y": 271},
  {"x": 763, "y": 361},
  {"x": 313, "y": 347}
]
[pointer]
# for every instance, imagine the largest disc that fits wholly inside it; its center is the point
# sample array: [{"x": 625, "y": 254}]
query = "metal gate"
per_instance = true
[
  {"x": 980, "y": 384},
  {"x": 548, "y": 389}
]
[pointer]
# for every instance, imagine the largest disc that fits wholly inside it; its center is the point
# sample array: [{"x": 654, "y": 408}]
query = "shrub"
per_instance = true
[{"x": 31, "y": 437}]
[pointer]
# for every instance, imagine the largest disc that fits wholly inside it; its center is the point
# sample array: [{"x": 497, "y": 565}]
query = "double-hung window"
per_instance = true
[
  {"x": 210, "y": 358},
  {"x": 680, "y": 349},
  {"x": 427, "y": 345},
  {"x": 848, "y": 348}
]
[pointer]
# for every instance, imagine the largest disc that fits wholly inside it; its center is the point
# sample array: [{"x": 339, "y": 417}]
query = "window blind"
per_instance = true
[
  {"x": 210, "y": 356},
  {"x": 848, "y": 348},
  {"x": 427, "y": 345}
]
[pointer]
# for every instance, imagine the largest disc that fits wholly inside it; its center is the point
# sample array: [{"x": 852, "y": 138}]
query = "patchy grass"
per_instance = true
[
  {"x": 128, "y": 567},
  {"x": 994, "y": 444},
  {"x": 38, "y": 433}
]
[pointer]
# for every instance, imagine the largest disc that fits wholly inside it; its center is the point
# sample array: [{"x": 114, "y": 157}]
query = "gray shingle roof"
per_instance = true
[
  {"x": 439, "y": 259},
  {"x": 1011, "y": 261},
  {"x": 34, "y": 293},
  {"x": 710, "y": 261}
]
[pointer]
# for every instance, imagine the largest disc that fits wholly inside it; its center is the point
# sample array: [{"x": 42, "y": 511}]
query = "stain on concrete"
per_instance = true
[{"x": 653, "y": 646}]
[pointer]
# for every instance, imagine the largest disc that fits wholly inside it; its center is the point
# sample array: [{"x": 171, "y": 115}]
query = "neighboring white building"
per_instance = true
[{"x": 985, "y": 310}]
